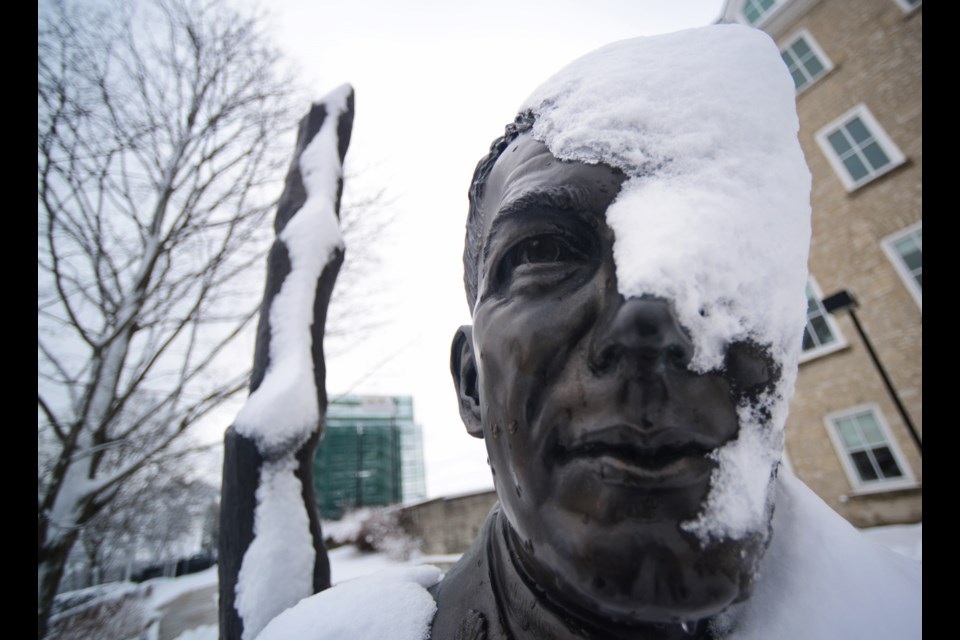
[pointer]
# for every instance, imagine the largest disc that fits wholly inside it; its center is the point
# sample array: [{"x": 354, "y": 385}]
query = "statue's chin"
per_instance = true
[{"x": 665, "y": 579}]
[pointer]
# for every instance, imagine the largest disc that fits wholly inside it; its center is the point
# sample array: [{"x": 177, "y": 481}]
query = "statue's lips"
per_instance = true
[{"x": 627, "y": 456}]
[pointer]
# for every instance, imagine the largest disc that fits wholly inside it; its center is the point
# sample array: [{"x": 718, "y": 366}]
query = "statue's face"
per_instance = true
[{"x": 598, "y": 434}]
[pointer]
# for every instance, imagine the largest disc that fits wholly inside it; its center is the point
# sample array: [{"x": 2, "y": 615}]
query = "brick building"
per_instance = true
[{"x": 858, "y": 65}]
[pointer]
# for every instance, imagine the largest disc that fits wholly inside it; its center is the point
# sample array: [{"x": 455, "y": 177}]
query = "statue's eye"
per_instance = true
[
  {"x": 543, "y": 259},
  {"x": 542, "y": 249}
]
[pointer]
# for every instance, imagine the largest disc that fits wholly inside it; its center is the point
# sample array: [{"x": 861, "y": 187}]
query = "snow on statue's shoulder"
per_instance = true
[
  {"x": 392, "y": 604},
  {"x": 821, "y": 578}
]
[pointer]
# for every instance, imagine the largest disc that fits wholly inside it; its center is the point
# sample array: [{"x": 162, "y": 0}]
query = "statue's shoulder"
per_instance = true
[
  {"x": 394, "y": 603},
  {"x": 466, "y": 605},
  {"x": 822, "y": 578}
]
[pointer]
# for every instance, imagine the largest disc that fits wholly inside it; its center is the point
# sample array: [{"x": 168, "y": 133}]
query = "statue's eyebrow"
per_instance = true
[{"x": 571, "y": 198}]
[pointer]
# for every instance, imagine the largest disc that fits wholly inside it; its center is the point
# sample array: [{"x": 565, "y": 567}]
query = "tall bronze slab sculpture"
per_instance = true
[{"x": 269, "y": 451}]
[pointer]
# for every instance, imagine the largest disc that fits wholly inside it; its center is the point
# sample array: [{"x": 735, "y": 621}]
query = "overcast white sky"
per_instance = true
[{"x": 436, "y": 81}]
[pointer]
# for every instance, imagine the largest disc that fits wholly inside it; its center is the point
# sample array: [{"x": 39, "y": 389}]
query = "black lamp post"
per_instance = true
[{"x": 844, "y": 301}]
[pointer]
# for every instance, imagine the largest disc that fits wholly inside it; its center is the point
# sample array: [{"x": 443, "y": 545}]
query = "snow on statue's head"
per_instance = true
[{"x": 636, "y": 264}]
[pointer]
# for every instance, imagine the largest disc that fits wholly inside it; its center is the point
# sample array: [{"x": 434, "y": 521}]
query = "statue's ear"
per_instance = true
[{"x": 463, "y": 366}]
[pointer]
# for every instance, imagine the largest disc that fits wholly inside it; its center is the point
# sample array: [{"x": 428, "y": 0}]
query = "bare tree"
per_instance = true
[
  {"x": 156, "y": 135},
  {"x": 159, "y": 516}
]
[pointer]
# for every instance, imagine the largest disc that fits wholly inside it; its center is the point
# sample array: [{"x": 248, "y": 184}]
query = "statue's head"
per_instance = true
[{"x": 636, "y": 264}]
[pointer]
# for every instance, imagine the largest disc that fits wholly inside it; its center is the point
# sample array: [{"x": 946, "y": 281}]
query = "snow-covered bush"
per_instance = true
[{"x": 383, "y": 531}]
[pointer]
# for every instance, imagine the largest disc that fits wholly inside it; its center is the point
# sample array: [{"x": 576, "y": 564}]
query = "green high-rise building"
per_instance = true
[{"x": 371, "y": 454}]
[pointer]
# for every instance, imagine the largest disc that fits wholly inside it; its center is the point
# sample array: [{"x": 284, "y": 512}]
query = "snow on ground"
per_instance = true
[
  {"x": 206, "y": 632},
  {"x": 165, "y": 590},
  {"x": 347, "y": 563}
]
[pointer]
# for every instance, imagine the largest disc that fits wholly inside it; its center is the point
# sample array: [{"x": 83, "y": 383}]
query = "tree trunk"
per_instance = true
[{"x": 51, "y": 562}]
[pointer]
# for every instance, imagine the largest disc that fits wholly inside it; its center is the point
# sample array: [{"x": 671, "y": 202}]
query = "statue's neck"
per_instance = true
[{"x": 527, "y": 611}]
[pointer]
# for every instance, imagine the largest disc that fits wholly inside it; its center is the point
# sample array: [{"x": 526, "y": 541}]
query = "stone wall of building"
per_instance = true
[
  {"x": 875, "y": 47},
  {"x": 447, "y": 525}
]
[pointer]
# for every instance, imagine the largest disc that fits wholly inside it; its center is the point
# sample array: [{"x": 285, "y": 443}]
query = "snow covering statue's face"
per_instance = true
[
  {"x": 600, "y": 437},
  {"x": 640, "y": 262}
]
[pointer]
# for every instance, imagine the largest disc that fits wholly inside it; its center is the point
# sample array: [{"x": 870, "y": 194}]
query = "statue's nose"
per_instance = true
[{"x": 640, "y": 336}]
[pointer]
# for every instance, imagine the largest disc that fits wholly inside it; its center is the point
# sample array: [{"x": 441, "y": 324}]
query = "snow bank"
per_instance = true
[{"x": 714, "y": 215}]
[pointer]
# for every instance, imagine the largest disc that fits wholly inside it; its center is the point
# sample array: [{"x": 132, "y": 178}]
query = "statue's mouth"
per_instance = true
[{"x": 628, "y": 456}]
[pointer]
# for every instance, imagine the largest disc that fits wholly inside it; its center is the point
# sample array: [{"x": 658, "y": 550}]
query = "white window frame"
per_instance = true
[
  {"x": 818, "y": 53},
  {"x": 876, "y": 131},
  {"x": 839, "y": 341},
  {"x": 898, "y": 263},
  {"x": 764, "y": 17},
  {"x": 908, "y": 480}
]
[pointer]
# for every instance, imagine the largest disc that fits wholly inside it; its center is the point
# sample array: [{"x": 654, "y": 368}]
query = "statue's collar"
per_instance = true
[
  {"x": 489, "y": 596},
  {"x": 525, "y": 610}
]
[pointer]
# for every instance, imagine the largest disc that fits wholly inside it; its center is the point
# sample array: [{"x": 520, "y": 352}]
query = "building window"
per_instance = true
[
  {"x": 755, "y": 10},
  {"x": 805, "y": 60},
  {"x": 905, "y": 250},
  {"x": 869, "y": 454},
  {"x": 821, "y": 335},
  {"x": 857, "y": 148}
]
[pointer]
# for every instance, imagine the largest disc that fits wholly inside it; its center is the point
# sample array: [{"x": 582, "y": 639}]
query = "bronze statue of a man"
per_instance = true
[
  {"x": 602, "y": 438},
  {"x": 635, "y": 264},
  {"x": 599, "y": 435}
]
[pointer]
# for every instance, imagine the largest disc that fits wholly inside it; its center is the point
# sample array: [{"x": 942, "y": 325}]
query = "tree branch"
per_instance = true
[{"x": 54, "y": 423}]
